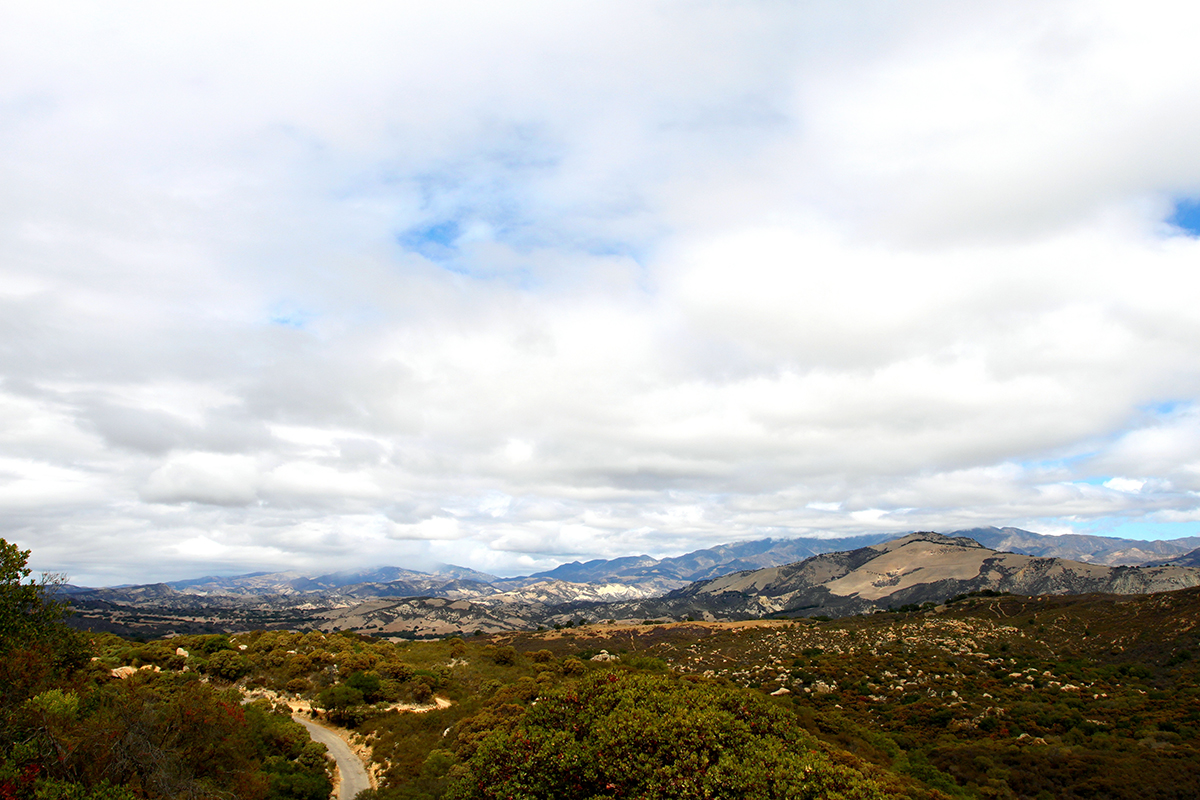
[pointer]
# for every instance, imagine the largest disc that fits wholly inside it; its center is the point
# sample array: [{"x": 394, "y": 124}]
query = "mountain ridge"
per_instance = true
[
  {"x": 640, "y": 575},
  {"x": 918, "y": 568},
  {"x": 913, "y": 569}
]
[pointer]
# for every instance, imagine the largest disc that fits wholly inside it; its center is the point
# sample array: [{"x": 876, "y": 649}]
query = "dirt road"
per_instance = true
[{"x": 350, "y": 767}]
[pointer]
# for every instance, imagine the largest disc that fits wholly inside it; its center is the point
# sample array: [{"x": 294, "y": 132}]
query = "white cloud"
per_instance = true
[
  {"x": 546, "y": 281},
  {"x": 204, "y": 478},
  {"x": 1131, "y": 485},
  {"x": 308, "y": 482},
  {"x": 435, "y": 528}
]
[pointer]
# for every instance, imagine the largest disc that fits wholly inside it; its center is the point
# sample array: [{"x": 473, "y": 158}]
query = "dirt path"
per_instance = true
[{"x": 352, "y": 775}]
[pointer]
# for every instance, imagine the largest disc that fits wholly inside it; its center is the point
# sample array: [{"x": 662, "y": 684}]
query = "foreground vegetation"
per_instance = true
[
  {"x": 70, "y": 730},
  {"x": 984, "y": 697},
  {"x": 1091, "y": 696}
]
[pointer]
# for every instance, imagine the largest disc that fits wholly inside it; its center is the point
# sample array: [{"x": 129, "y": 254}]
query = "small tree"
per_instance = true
[
  {"x": 228, "y": 665},
  {"x": 505, "y": 656},
  {"x": 29, "y": 612},
  {"x": 340, "y": 698},
  {"x": 366, "y": 682}
]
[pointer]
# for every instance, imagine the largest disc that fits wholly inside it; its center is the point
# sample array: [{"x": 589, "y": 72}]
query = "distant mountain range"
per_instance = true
[
  {"x": 915, "y": 569},
  {"x": 629, "y": 577},
  {"x": 620, "y": 578},
  {"x": 1077, "y": 547},
  {"x": 735, "y": 581},
  {"x": 905, "y": 572},
  {"x": 709, "y": 563}
]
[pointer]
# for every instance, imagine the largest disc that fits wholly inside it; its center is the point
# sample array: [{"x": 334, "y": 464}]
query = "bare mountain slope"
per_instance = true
[
  {"x": 1108, "y": 550},
  {"x": 628, "y": 577},
  {"x": 917, "y": 568},
  {"x": 702, "y": 564},
  {"x": 912, "y": 569},
  {"x": 1188, "y": 559}
]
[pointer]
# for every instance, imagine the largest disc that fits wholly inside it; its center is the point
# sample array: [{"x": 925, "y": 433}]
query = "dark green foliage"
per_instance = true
[
  {"x": 918, "y": 766},
  {"x": 292, "y": 781},
  {"x": 29, "y": 613},
  {"x": 162, "y": 737},
  {"x": 645, "y": 662},
  {"x": 227, "y": 665},
  {"x": 619, "y": 734},
  {"x": 212, "y": 644},
  {"x": 340, "y": 697},
  {"x": 396, "y": 671},
  {"x": 542, "y": 656},
  {"x": 958, "y": 598},
  {"x": 504, "y": 656},
  {"x": 368, "y": 684},
  {"x": 70, "y": 731}
]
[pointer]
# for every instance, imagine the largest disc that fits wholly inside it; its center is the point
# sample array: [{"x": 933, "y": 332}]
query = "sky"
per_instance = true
[{"x": 300, "y": 286}]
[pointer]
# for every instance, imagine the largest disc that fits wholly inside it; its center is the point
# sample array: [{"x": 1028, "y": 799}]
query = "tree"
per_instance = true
[
  {"x": 340, "y": 698},
  {"x": 68, "y": 733},
  {"x": 366, "y": 682},
  {"x": 36, "y": 646},
  {"x": 228, "y": 665},
  {"x": 28, "y": 613}
]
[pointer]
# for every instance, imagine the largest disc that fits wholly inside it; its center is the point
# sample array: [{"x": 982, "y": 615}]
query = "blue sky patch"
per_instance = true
[
  {"x": 435, "y": 242},
  {"x": 292, "y": 319},
  {"x": 1143, "y": 530},
  {"x": 1167, "y": 407},
  {"x": 1187, "y": 216}
]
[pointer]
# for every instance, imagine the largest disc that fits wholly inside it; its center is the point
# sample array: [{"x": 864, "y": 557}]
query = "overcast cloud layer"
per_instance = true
[{"x": 510, "y": 284}]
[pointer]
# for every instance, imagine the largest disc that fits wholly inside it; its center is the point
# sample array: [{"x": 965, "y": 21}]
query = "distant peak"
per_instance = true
[{"x": 929, "y": 536}]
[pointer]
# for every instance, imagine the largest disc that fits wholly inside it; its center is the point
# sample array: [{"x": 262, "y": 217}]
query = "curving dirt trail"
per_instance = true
[{"x": 350, "y": 767}]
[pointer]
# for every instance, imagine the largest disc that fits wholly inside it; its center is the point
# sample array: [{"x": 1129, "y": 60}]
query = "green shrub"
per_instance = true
[
  {"x": 228, "y": 665},
  {"x": 422, "y": 692},
  {"x": 639, "y": 735},
  {"x": 368, "y": 683},
  {"x": 504, "y": 656},
  {"x": 645, "y": 662},
  {"x": 395, "y": 671},
  {"x": 339, "y": 697}
]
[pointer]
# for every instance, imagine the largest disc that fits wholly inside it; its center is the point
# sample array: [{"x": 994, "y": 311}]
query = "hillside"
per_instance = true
[
  {"x": 1000, "y": 696},
  {"x": 627, "y": 577},
  {"x": 707, "y": 563},
  {"x": 919, "y": 568},
  {"x": 987, "y": 695},
  {"x": 1108, "y": 550},
  {"x": 1081, "y": 696}
]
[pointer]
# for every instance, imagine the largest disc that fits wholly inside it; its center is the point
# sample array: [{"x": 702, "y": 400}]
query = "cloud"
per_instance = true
[
  {"x": 210, "y": 478},
  {"x": 515, "y": 285}
]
